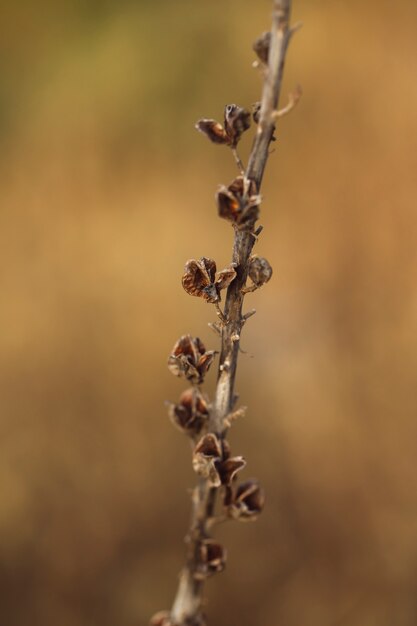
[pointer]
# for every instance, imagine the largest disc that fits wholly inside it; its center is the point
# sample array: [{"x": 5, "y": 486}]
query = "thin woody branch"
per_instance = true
[{"x": 206, "y": 424}]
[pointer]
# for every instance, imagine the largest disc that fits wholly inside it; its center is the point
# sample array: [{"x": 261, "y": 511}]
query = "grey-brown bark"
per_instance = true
[{"x": 188, "y": 606}]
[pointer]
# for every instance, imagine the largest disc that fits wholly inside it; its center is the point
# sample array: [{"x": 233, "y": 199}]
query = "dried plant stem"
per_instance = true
[{"x": 187, "y": 609}]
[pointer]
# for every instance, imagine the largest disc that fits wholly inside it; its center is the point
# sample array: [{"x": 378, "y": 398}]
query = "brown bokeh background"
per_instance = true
[{"x": 105, "y": 190}]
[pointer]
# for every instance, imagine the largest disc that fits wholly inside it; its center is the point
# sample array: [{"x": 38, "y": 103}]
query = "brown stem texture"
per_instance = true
[{"x": 188, "y": 606}]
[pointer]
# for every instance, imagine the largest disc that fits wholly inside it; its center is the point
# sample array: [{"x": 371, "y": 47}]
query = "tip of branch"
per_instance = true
[{"x": 295, "y": 28}]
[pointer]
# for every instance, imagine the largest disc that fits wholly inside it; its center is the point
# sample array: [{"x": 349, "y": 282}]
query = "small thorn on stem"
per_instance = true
[
  {"x": 295, "y": 28},
  {"x": 219, "y": 312},
  {"x": 248, "y": 315},
  {"x": 238, "y": 161},
  {"x": 215, "y": 328}
]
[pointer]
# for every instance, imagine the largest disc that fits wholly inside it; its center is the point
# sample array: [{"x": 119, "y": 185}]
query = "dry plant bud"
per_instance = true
[
  {"x": 236, "y": 121},
  {"x": 206, "y": 457},
  {"x": 239, "y": 203},
  {"x": 189, "y": 359},
  {"x": 191, "y": 412},
  {"x": 212, "y": 558},
  {"x": 260, "y": 270},
  {"x": 213, "y": 130},
  {"x": 200, "y": 280},
  {"x": 261, "y": 47},
  {"x": 248, "y": 501}
]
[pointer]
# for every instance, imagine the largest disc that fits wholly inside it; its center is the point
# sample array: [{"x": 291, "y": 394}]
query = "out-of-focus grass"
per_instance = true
[{"x": 106, "y": 190}]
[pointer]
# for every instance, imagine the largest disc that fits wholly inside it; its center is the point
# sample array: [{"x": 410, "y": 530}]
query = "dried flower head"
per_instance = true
[
  {"x": 206, "y": 456},
  {"x": 260, "y": 270},
  {"x": 236, "y": 121},
  {"x": 261, "y": 47},
  {"x": 211, "y": 558},
  {"x": 191, "y": 412},
  {"x": 248, "y": 502},
  {"x": 199, "y": 279},
  {"x": 239, "y": 202},
  {"x": 190, "y": 359}
]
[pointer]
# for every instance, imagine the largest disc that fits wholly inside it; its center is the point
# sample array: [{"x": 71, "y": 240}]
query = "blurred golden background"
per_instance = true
[{"x": 105, "y": 190}]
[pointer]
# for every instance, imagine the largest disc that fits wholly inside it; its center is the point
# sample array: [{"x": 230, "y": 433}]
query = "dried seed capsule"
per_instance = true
[
  {"x": 225, "y": 277},
  {"x": 260, "y": 270},
  {"x": 213, "y": 130},
  {"x": 239, "y": 202},
  {"x": 236, "y": 121},
  {"x": 212, "y": 558},
  {"x": 190, "y": 359},
  {"x": 261, "y": 47},
  {"x": 200, "y": 279},
  {"x": 248, "y": 501},
  {"x": 206, "y": 456},
  {"x": 191, "y": 412},
  {"x": 228, "y": 469}
]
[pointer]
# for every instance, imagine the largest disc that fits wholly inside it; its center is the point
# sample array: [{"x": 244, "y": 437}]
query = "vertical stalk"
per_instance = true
[{"x": 187, "y": 609}]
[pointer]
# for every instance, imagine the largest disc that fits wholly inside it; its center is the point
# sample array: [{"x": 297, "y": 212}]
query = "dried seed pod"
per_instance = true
[
  {"x": 191, "y": 412},
  {"x": 211, "y": 557},
  {"x": 190, "y": 359},
  {"x": 226, "y": 276},
  {"x": 248, "y": 501},
  {"x": 206, "y": 456},
  {"x": 236, "y": 121},
  {"x": 239, "y": 202},
  {"x": 261, "y": 47},
  {"x": 213, "y": 130},
  {"x": 228, "y": 469},
  {"x": 260, "y": 270},
  {"x": 200, "y": 279}
]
